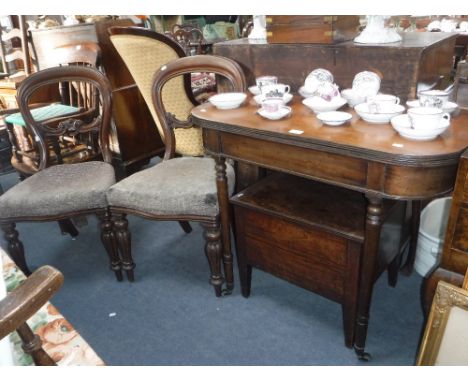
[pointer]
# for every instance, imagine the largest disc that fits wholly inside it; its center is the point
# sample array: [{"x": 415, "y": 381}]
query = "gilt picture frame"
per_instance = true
[{"x": 445, "y": 341}]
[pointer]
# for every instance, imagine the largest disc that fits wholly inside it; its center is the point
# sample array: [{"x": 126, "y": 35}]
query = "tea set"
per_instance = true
[
  {"x": 273, "y": 98},
  {"x": 426, "y": 118}
]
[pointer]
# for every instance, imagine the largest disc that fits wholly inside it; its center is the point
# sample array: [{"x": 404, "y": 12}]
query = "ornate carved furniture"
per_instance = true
[
  {"x": 71, "y": 98},
  {"x": 371, "y": 159},
  {"x": 417, "y": 61},
  {"x": 181, "y": 188},
  {"x": 60, "y": 191},
  {"x": 159, "y": 49}
]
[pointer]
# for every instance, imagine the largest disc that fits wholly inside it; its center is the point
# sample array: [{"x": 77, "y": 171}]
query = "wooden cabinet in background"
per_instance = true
[
  {"x": 311, "y": 29},
  {"x": 421, "y": 59}
]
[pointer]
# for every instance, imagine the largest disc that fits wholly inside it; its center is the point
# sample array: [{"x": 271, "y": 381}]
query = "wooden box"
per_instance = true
[
  {"x": 310, "y": 234},
  {"x": 311, "y": 29}
]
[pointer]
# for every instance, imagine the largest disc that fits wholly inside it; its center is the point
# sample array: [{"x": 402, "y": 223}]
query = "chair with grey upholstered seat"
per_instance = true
[
  {"x": 182, "y": 188},
  {"x": 61, "y": 190}
]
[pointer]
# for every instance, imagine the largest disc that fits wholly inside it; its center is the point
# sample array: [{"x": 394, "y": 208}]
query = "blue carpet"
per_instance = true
[{"x": 170, "y": 315}]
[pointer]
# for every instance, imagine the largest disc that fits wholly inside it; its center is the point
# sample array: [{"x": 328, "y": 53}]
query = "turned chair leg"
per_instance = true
[
  {"x": 123, "y": 237},
  {"x": 213, "y": 251},
  {"x": 15, "y": 247},
  {"x": 110, "y": 243}
]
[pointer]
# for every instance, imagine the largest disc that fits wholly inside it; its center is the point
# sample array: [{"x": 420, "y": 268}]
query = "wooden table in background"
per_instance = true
[{"x": 372, "y": 159}]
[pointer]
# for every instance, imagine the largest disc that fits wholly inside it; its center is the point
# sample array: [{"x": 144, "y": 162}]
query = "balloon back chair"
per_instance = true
[
  {"x": 181, "y": 188},
  {"x": 60, "y": 189}
]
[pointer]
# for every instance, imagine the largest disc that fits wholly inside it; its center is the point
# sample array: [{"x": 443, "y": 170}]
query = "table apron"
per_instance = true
[{"x": 393, "y": 181}]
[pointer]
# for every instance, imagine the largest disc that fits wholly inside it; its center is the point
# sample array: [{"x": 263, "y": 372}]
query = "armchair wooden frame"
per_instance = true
[
  {"x": 217, "y": 228},
  {"x": 23, "y": 303}
]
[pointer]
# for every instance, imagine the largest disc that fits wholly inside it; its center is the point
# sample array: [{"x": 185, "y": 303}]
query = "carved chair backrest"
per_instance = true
[
  {"x": 213, "y": 64},
  {"x": 90, "y": 117}
]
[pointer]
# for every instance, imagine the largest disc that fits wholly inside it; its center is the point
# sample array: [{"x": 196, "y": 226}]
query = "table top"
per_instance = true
[
  {"x": 357, "y": 138},
  {"x": 410, "y": 40}
]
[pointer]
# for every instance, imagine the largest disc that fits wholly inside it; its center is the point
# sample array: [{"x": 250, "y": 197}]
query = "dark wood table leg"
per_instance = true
[
  {"x": 224, "y": 212},
  {"x": 368, "y": 268},
  {"x": 416, "y": 207}
]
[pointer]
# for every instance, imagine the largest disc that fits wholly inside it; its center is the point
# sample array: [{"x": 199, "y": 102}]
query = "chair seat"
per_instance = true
[
  {"x": 180, "y": 186},
  {"x": 43, "y": 113},
  {"x": 59, "y": 190}
]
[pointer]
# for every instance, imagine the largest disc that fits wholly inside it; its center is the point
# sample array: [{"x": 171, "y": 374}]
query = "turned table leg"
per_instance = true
[
  {"x": 223, "y": 201},
  {"x": 416, "y": 207},
  {"x": 368, "y": 267}
]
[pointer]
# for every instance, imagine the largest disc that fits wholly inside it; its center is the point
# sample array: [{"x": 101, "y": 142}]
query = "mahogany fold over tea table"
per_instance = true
[{"x": 369, "y": 158}]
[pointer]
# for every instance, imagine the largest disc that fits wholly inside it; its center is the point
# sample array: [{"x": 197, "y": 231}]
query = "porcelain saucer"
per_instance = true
[
  {"x": 305, "y": 93},
  {"x": 402, "y": 124},
  {"x": 449, "y": 107},
  {"x": 282, "y": 112},
  {"x": 334, "y": 118},
  {"x": 382, "y": 116},
  {"x": 255, "y": 90}
]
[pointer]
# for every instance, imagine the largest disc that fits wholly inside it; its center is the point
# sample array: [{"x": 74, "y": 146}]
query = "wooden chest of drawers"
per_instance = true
[
  {"x": 310, "y": 234},
  {"x": 311, "y": 29}
]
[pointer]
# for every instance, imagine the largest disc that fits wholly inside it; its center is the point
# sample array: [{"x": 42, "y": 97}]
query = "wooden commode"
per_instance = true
[{"x": 310, "y": 234}]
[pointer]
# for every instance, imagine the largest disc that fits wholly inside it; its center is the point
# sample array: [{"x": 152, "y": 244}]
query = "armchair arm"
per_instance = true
[{"x": 28, "y": 298}]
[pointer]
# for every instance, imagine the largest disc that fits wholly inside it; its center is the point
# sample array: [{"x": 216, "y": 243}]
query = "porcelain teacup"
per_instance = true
[
  {"x": 266, "y": 80},
  {"x": 426, "y": 118},
  {"x": 380, "y": 102},
  {"x": 433, "y": 98},
  {"x": 272, "y": 105},
  {"x": 275, "y": 90}
]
